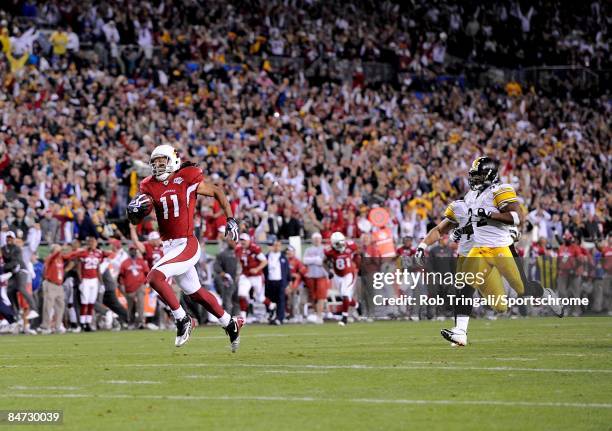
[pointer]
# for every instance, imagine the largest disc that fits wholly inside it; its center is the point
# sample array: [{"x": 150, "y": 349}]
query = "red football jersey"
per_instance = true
[
  {"x": 174, "y": 201},
  {"x": 248, "y": 258},
  {"x": 343, "y": 262},
  {"x": 152, "y": 253},
  {"x": 90, "y": 261}
]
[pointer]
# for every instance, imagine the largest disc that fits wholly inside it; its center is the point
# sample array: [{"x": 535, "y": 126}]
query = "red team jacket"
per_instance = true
[
  {"x": 174, "y": 201},
  {"x": 344, "y": 262},
  {"x": 132, "y": 273}
]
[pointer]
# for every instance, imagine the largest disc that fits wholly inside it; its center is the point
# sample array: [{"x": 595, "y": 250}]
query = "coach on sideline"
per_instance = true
[
  {"x": 53, "y": 292},
  {"x": 277, "y": 279}
]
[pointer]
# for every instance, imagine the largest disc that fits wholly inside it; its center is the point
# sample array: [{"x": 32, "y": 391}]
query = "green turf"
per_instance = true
[{"x": 381, "y": 376}]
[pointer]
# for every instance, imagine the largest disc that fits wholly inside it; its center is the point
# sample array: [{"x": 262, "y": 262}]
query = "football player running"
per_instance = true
[
  {"x": 456, "y": 221},
  {"x": 172, "y": 190},
  {"x": 493, "y": 208},
  {"x": 343, "y": 257}
]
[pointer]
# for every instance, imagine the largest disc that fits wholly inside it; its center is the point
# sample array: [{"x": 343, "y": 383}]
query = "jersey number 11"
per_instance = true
[{"x": 175, "y": 205}]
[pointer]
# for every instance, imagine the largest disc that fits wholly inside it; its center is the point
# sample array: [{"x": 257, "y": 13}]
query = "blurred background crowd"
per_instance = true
[{"x": 253, "y": 92}]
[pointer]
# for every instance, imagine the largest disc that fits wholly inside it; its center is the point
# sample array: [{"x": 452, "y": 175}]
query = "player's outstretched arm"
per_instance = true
[
  {"x": 134, "y": 237},
  {"x": 212, "y": 190},
  {"x": 432, "y": 237},
  {"x": 434, "y": 234},
  {"x": 207, "y": 189}
]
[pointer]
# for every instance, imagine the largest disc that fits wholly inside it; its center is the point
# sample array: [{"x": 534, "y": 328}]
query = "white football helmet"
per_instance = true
[
  {"x": 173, "y": 162},
  {"x": 338, "y": 241}
]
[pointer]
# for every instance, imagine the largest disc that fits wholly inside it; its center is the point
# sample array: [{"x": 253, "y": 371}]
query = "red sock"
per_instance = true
[
  {"x": 345, "y": 304},
  {"x": 84, "y": 309},
  {"x": 208, "y": 300},
  {"x": 244, "y": 303},
  {"x": 267, "y": 302},
  {"x": 158, "y": 282},
  {"x": 90, "y": 309}
]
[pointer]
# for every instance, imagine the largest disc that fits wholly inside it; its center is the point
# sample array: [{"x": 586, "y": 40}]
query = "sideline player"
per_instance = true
[
  {"x": 151, "y": 250},
  {"x": 172, "y": 190},
  {"x": 252, "y": 261},
  {"x": 343, "y": 257},
  {"x": 90, "y": 260}
]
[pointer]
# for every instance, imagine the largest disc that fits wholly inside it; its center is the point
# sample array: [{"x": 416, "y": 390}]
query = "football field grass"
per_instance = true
[{"x": 530, "y": 374}]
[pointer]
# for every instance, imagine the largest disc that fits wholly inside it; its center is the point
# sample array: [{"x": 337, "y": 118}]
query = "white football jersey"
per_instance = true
[
  {"x": 457, "y": 212},
  {"x": 493, "y": 198}
]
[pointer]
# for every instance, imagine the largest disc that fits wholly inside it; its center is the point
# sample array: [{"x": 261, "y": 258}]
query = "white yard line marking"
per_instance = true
[
  {"x": 202, "y": 376},
  {"x": 131, "y": 382},
  {"x": 42, "y": 388},
  {"x": 382, "y": 367},
  {"x": 426, "y": 366},
  {"x": 313, "y": 399},
  {"x": 515, "y": 359}
]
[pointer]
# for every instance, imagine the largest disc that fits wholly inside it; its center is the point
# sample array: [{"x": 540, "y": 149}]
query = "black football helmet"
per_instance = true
[{"x": 483, "y": 173}]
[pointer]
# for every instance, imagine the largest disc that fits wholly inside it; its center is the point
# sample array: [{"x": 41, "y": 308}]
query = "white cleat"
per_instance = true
[
  {"x": 32, "y": 315},
  {"x": 553, "y": 301},
  {"x": 456, "y": 336},
  {"x": 183, "y": 330}
]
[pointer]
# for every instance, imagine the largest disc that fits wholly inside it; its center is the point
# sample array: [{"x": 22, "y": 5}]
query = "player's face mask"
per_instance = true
[
  {"x": 475, "y": 180},
  {"x": 159, "y": 167},
  {"x": 340, "y": 246}
]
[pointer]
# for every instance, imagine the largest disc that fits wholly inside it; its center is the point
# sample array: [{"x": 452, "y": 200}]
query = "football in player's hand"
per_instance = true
[{"x": 139, "y": 208}]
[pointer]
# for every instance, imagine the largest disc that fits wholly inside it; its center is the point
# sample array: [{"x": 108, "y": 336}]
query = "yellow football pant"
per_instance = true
[
  {"x": 494, "y": 263},
  {"x": 492, "y": 279}
]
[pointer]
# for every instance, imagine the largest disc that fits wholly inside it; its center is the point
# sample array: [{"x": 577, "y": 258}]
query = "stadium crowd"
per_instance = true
[
  {"x": 413, "y": 35},
  {"x": 294, "y": 157}
]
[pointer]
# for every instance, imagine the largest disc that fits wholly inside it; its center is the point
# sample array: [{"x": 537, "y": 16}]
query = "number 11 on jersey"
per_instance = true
[{"x": 175, "y": 205}]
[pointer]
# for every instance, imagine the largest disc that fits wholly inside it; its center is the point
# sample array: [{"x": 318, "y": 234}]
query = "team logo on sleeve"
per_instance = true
[{"x": 178, "y": 180}]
